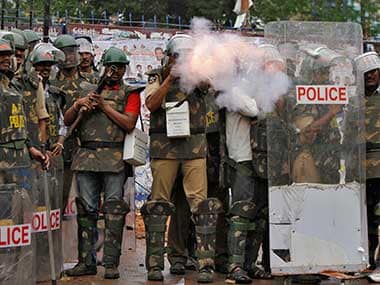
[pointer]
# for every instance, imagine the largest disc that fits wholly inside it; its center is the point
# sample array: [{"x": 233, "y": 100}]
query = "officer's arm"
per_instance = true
[
  {"x": 72, "y": 113},
  {"x": 155, "y": 98},
  {"x": 325, "y": 119},
  {"x": 126, "y": 120}
]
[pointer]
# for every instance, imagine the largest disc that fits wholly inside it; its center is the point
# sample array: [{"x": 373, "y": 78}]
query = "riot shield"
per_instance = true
[
  {"x": 40, "y": 220},
  {"x": 16, "y": 246},
  {"x": 316, "y": 175}
]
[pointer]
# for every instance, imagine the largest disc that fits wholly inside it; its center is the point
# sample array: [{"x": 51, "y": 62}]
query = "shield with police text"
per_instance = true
[{"x": 316, "y": 151}]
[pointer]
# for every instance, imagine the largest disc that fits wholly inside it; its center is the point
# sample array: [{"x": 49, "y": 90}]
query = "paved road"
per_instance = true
[{"x": 133, "y": 272}]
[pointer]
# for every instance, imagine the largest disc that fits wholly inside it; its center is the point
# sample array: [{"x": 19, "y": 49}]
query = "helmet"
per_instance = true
[
  {"x": 46, "y": 52},
  {"x": 69, "y": 46},
  {"x": 179, "y": 43},
  {"x": 271, "y": 54},
  {"x": 20, "y": 40},
  {"x": 85, "y": 46},
  {"x": 63, "y": 41},
  {"x": 367, "y": 62},
  {"x": 114, "y": 55},
  {"x": 31, "y": 36},
  {"x": 5, "y": 46}
]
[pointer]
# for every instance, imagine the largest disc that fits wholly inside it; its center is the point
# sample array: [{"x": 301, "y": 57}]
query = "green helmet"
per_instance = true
[
  {"x": 20, "y": 42},
  {"x": 115, "y": 55},
  {"x": 31, "y": 36},
  {"x": 64, "y": 41},
  {"x": 9, "y": 37},
  {"x": 179, "y": 43},
  {"x": 69, "y": 46},
  {"x": 5, "y": 46}
]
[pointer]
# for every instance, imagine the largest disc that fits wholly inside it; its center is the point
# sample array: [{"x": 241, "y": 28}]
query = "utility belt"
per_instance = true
[
  {"x": 372, "y": 146},
  {"x": 20, "y": 144},
  {"x": 94, "y": 145},
  {"x": 193, "y": 131}
]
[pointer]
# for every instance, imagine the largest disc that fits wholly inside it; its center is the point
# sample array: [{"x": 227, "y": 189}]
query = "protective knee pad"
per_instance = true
[
  {"x": 205, "y": 216},
  {"x": 155, "y": 215},
  {"x": 118, "y": 207},
  {"x": 244, "y": 209}
]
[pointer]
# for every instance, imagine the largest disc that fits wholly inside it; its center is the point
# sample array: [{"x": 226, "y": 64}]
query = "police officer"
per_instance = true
[
  {"x": 181, "y": 235},
  {"x": 368, "y": 65},
  {"x": 87, "y": 55},
  {"x": 171, "y": 154},
  {"x": 51, "y": 134},
  {"x": 99, "y": 165},
  {"x": 14, "y": 144},
  {"x": 71, "y": 80}
]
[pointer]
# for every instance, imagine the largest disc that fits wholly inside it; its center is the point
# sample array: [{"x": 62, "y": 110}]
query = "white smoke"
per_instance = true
[{"x": 232, "y": 66}]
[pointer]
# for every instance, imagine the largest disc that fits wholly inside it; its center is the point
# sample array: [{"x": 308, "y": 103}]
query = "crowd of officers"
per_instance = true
[{"x": 53, "y": 98}]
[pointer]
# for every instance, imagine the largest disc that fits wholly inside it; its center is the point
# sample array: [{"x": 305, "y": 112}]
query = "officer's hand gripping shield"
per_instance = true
[{"x": 316, "y": 152}]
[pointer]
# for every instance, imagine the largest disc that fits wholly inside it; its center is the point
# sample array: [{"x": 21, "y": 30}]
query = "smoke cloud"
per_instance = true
[{"x": 233, "y": 66}]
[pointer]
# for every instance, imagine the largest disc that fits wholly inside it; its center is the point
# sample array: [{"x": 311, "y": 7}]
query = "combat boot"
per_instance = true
[
  {"x": 114, "y": 216},
  {"x": 86, "y": 237},
  {"x": 205, "y": 216},
  {"x": 241, "y": 215},
  {"x": 155, "y": 215}
]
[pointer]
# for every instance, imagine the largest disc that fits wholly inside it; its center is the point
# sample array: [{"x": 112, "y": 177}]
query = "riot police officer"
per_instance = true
[
  {"x": 169, "y": 154},
  {"x": 99, "y": 165}
]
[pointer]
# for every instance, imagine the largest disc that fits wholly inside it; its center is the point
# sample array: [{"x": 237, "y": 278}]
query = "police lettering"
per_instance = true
[
  {"x": 39, "y": 221},
  {"x": 16, "y": 120},
  {"x": 323, "y": 94},
  {"x": 70, "y": 208},
  {"x": 12, "y": 236}
]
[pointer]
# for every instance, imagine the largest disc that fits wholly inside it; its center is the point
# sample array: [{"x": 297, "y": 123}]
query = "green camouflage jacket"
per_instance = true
[
  {"x": 101, "y": 139},
  {"x": 191, "y": 147},
  {"x": 13, "y": 129}
]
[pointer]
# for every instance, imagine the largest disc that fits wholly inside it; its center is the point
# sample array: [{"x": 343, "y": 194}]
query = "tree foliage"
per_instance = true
[{"x": 365, "y": 12}]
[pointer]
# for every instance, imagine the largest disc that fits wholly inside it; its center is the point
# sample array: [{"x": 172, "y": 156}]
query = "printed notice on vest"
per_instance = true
[
  {"x": 39, "y": 222},
  {"x": 14, "y": 236},
  {"x": 177, "y": 120},
  {"x": 321, "y": 94}
]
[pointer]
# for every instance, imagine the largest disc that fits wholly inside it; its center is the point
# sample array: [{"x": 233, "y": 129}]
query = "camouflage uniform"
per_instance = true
[
  {"x": 73, "y": 88},
  {"x": 181, "y": 230},
  {"x": 99, "y": 165},
  {"x": 15, "y": 179},
  {"x": 168, "y": 154},
  {"x": 373, "y": 172},
  {"x": 54, "y": 103},
  {"x": 248, "y": 215}
]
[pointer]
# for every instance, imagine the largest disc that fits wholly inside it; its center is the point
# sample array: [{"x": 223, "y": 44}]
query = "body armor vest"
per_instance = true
[
  {"x": 12, "y": 118},
  {"x": 372, "y": 121},
  {"x": 30, "y": 101},
  {"x": 53, "y": 103},
  {"x": 196, "y": 106},
  {"x": 96, "y": 126}
]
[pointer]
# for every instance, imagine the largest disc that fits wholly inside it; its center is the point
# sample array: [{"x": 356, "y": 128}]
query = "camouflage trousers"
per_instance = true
[
  {"x": 181, "y": 234},
  {"x": 373, "y": 198},
  {"x": 246, "y": 185},
  {"x": 90, "y": 186}
]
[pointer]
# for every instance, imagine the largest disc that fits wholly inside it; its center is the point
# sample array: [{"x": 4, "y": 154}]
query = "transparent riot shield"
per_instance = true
[
  {"x": 316, "y": 176},
  {"x": 16, "y": 245},
  {"x": 40, "y": 220},
  {"x": 70, "y": 229}
]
